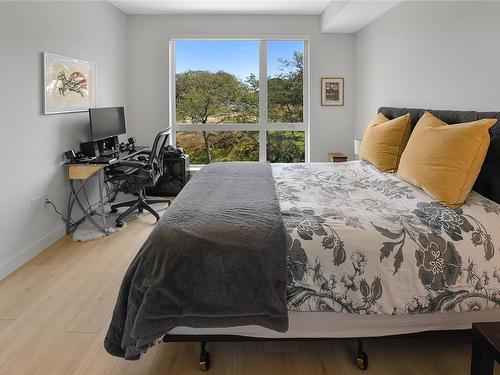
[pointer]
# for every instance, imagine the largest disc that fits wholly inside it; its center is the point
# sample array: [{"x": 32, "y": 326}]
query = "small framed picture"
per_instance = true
[{"x": 332, "y": 91}]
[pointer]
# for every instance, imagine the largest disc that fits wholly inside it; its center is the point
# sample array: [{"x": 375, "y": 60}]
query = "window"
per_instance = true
[{"x": 221, "y": 109}]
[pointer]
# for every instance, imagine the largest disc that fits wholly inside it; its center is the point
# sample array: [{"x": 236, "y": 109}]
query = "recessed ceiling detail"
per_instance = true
[
  {"x": 352, "y": 16},
  {"x": 337, "y": 16},
  {"x": 306, "y": 7}
]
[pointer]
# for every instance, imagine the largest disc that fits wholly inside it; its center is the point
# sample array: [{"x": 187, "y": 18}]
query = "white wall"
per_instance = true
[
  {"x": 31, "y": 143},
  {"x": 419, "y": 54},
  {"x": 439, "y": 55},
  {"x": 330, "y": 56}
]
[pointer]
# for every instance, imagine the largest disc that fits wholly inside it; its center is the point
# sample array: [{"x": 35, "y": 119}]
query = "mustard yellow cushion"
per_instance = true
[
  {"x": 445, "y": 160},
  {"x": 384, "y": 141}
]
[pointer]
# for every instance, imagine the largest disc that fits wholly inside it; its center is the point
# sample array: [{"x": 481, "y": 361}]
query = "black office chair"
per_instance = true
[{"x": 137, "y": 175}]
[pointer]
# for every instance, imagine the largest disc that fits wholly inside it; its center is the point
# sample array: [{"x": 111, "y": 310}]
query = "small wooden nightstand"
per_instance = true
[{"x": 337, "y": 157}]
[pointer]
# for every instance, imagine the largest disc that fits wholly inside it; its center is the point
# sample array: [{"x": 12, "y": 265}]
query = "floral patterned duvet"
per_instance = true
[{"x": 365, "y": 242}]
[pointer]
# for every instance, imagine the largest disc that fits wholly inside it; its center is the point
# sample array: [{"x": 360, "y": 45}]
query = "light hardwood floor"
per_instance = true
[{"x": 54, "y": 313}]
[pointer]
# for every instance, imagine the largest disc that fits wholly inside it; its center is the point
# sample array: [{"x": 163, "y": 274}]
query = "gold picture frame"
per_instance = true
[{"x": 332, "y": 91}]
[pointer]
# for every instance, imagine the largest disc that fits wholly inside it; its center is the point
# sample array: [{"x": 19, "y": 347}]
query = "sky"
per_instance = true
[{"x": 239, "y": 57}]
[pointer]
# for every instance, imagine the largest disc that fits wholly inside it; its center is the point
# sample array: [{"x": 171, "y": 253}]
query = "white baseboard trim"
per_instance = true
[{"x": 23, "y": 256}]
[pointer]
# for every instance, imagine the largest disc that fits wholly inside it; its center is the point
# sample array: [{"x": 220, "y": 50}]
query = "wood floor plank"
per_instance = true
[
  {"x": 22, "y": 289},
  {"x": 4, "y": 323},
  {"x": 55, "y": 310},
  {"x": 64, "y": 355},
  {"x": 36, "y": 318},
  {"x": 93, "y": 316},
  {"x": 48, "y": 331},
  {"x": 96, "y": 361}
]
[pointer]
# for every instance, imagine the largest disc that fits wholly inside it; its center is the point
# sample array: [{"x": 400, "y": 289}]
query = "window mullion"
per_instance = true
[
  {"x": 286, "y": 127},
  {"x": 217, "y": 127},
  {"x": 172, "y": 88},
  {"x": 306, "y": 101},
  {"x": 263, "y": 100}
]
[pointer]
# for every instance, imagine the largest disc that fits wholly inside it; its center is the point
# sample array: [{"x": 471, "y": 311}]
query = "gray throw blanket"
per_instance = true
[{"x": 216, "y": 258}]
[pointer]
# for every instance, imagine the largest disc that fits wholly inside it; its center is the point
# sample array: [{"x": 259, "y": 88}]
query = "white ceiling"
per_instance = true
[
  {"x": 307, "y": 7},
  {"x": 352, "y": 16},
  {"x": 337, "y": 16}
]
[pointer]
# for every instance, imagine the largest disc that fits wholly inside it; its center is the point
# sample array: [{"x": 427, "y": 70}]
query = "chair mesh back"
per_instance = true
[{"x": 158, "y": 145}]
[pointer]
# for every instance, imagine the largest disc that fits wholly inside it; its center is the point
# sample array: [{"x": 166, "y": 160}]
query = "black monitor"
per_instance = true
[{"x": 106, "y": 122}]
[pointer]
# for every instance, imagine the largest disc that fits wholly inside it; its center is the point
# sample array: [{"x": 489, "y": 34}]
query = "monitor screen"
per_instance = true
[{"x": 106, "y": 122}]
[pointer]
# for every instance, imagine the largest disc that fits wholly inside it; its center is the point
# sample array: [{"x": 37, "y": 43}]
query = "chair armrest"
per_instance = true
[
  {"x": 130, "y": 163},
  {"x": 121, "y": 171}
]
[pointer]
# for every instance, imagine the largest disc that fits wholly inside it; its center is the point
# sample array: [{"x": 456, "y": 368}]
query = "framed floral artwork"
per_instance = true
[
  {"x": 69, "y": 84},
  {"x": 332, "y": 91}
]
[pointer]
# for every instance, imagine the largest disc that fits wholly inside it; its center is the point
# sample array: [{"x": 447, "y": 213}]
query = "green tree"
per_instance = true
[
  {"x": 205, "y": 97},
  {"x": 285, "y": 147},
  {"x": 285, "y": 91}
]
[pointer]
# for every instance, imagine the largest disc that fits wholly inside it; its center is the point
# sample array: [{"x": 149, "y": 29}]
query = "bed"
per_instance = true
[{"x": 347, "y": 250}]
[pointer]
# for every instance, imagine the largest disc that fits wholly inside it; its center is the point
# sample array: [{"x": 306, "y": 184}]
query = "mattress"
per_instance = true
[
  {"x": 338, "y": 325},
  {"x": 361, "y": 241},
  {"x": 371, "y": 255}
]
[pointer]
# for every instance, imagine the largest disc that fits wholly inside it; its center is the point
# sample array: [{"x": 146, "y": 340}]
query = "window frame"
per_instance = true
[{"x": 263, "y": 125}]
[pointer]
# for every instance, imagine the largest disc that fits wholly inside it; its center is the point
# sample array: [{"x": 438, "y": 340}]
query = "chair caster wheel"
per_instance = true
[
  {"x": 362, "y": 360},
  {"x": 114, "y": 210},
  {"x": 119, "y": 224},
  {"x": 204, "y": 364}
]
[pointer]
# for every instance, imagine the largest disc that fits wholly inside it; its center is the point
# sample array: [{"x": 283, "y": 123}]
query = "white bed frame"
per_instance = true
[{"x": 328, "y": 325}]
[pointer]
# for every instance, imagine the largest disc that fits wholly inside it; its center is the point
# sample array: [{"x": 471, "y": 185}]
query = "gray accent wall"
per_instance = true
[
  {"x": 32, "y": 144},
  {"x": 439, "y": 55}
]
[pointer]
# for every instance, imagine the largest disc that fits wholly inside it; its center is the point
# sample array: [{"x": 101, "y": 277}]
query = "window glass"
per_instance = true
[
  {"x": 217, "y": 81},
  {"x": 217, "y": 114},
  {"x": 215, "y": 146},
  {"x": 285, "y": 82},
  {"x": 286, "y": 146}
]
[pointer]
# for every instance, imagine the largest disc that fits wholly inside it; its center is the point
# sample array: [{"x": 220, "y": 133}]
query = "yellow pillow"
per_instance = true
[
  {"x": 384, "y": 141},
  {"x": 445, "y": 160}
]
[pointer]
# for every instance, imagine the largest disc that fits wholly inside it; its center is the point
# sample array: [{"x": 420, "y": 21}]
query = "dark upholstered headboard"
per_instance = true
[{"x": 488, "y": 181}]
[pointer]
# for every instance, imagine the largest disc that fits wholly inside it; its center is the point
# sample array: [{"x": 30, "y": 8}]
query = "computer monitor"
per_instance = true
[{"x": 106, "y": 122}]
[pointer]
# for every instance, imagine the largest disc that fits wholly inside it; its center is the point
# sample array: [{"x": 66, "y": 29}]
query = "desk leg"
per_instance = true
[
  {"x": 68, "y": 212},
  {"x": 71, "y": 226},
  {"x": 82, "y": 207},
  {"x": 101, "y": 200},
  {"x": 482, "y": 361}
]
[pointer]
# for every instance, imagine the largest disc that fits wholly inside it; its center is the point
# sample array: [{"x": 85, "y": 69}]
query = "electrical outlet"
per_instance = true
[{"x": 37, "y": 203}]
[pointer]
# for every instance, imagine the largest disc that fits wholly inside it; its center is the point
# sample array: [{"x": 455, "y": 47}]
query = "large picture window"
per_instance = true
[{"x": 223, "y": 111}]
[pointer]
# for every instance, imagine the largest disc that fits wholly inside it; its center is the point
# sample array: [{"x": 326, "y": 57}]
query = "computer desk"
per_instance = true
[{"x": 83, "y": 172}]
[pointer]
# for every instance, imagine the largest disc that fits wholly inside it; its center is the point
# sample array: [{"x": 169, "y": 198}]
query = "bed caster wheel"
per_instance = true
[
  {"x": 119, "y": 224},
  {"x": 362, "y": 361},
  {"x": 204, "y": 363},
  {"x": 361, "y": 357}
]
